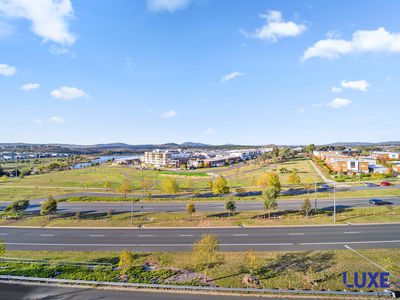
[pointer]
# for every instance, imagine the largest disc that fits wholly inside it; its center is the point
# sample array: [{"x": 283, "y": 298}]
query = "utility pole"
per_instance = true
[
  {"x": 132, "y": 210},
  {"x": 315, "y": 192}
]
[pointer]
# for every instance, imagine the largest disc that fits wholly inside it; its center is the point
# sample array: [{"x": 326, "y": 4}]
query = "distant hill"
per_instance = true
[{"x": 354, "y": 144}]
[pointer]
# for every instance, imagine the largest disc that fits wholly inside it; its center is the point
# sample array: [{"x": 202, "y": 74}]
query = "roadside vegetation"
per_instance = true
[{"x": 204, "y": 265}]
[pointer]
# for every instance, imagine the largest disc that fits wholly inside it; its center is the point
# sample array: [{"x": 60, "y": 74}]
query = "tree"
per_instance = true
[
  {"x": 306, "y": 207},
  {"x": 125, "y": 261},
  {"x": 17, "y": 206},
  {"x": 125, "y": 187},
  {"x": 2, "y": 248},
  {"x": 107, "y": 185},
  {"x": 49, "y": 206},
  {"x": 251, "y": 262},
  {"x": 310, "y": 149},
  {"x": 170, "y": 186},
  {"x": 294, "y": 178},
  {"x": 230, "y": 206},
  {"x": 205, "y": 252},
  {"x": 190, "y": 208},
  {"x": 270, "y": 180},
  {"x": 220, "y": 185},
  {"x": 270, "y": 203}
]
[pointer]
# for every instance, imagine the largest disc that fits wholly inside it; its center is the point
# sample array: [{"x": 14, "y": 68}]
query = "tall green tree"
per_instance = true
[
  {"x": 220, "y": 185},
  {"x": 270, "y": 202},
  {"x": 230, "y": 206}
]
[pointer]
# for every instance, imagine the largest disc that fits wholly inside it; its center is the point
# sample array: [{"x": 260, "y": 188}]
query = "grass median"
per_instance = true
[{"x": 207, "y": 219}]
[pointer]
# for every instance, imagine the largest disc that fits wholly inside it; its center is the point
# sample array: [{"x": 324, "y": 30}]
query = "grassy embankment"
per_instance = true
[{"x": 298, "y": 270}]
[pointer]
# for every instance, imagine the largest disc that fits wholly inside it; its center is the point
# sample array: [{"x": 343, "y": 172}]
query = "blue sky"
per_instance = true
[{"x": 213, "y": 71}]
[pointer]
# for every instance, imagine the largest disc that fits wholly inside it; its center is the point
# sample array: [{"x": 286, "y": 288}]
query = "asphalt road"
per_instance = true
[
  {"x": 214, "y": 206},
  {"x": 231, "y": 239},
  {"x": 11, "y": 291}
]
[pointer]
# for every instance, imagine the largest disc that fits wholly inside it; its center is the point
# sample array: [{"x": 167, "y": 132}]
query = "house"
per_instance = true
[
  {"x": 156, "y": 158},
  {"x": 386, "y": 155}
]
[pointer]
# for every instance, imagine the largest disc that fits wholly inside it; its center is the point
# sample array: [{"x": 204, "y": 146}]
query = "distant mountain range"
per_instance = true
[{"x": 173, "y": 145}]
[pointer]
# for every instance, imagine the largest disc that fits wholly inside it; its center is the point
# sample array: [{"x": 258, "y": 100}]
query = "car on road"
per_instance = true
[
  {"x": 370, "y": 184},
  {"x": 378, "y": 202},
  {"x": 385, "y": 183},
  {"x": 326, "y": 186}
]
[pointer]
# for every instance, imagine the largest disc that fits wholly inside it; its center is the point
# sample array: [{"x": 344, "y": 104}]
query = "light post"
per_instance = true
[
  {"x": 315, "y": 192},
  {"x": 370, "y": 261},
  {"x": 334, "y": 204},
  {"x": 132, "y": 210}
]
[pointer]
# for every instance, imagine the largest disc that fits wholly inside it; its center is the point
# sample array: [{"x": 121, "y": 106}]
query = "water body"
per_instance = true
[{"x": 103, "y": 159}]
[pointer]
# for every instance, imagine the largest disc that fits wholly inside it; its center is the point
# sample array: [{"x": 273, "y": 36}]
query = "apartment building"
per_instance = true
[
  {"x": 156, "y": 158},
  {"x": 386, "y": 155}
]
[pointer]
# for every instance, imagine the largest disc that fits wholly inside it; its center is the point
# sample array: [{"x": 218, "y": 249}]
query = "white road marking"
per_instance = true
[
  {"x": 46, "y": 234},
  {"x": 145, "y": 235},
  {"x": 240, "y": 234},
  {"x": 96, "y": 235},
  {"x": 351, "y": 232},
  {"x": 344, "y": 243},
  {"x": 186, "y": 235},
  {"x": 142, "y": 245},
  {"x": 3, "y": 234},
  {"x": 296, "y": 233}
]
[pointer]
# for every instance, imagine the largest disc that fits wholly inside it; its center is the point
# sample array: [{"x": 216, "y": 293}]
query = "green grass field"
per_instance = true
[
  {"x": 286, "y": 270},
  {"x": 93, "y": 179}
]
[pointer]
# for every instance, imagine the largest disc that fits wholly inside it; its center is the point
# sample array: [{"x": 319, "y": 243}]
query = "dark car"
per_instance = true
[
  {"x": 370, "y": 184},
  {"x": 378, "y": 202},
  {"x": 385, "y": 183}
]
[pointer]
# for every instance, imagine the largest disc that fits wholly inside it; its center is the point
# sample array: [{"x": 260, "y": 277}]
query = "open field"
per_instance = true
[
  {"x": 300, "y": 270},
  {"x": 93, "y": 178},
  {"x": 204, "y": 219}
]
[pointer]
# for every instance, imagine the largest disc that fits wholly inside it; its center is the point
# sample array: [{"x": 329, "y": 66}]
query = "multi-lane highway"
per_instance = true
[
  {"x": 231, "y": 239},
  {"x": 90, "y": 207}
]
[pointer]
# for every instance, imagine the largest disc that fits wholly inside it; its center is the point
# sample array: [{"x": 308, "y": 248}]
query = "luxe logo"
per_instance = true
[{"x": 367, "y": 279}]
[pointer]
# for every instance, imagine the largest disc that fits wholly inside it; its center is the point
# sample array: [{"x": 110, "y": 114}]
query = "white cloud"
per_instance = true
[
  {"x": 231, "y": 76},
  {"x": 209, "y": 131},
  {"x": 56, "y": 120},
  {"x": 360, "y": 85},
  {"x": 316, "y": 105},
  {"x": 363, "y": 41},
  {"x": 68, "y": 93},
  {"x": 276, "y": 27},
  {"x": 7, "y": 70},
  {"x": 169, "y": 114},
  {"x": 30, "y": 86},
  {"x": 336, "y": 89},
  {"x": 38, "y": 121},
  {"x": 301, "y": 110},
  {"x": 169, "y": 5},
  {"x": 339, "y": 102},
  {"x": 49, "y": 18},
  {"x": 389, "y": 78}
]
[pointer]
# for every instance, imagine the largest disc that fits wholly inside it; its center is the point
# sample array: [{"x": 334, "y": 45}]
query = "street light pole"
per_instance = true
[
  {"x": 372, "y": 262},
  {"x": 315, "y": 192},
  {"x": 334, "y": 204},
  {"x": 132, "y": 210}
]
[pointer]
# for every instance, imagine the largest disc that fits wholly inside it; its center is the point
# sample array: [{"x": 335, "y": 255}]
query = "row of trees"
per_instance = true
[{"x": 17, "y": 208}]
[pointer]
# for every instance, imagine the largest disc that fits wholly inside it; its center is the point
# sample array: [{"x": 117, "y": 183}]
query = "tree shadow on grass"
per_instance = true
[{"x": 297, "y": 262}]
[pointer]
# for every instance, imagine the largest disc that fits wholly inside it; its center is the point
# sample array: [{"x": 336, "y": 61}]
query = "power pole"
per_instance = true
[{"x": 334, "y": 204}]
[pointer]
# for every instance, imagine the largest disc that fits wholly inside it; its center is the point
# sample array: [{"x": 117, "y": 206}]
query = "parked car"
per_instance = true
[
  {"x": 385, "y": 183},
  {"x": 370, "y": 184},
  {"x": 378, "y": 202},
  {"x": 326, "y": 186}
]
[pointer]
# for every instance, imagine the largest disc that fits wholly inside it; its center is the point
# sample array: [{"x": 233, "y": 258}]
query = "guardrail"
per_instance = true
[{"x": 386, "y": 293}]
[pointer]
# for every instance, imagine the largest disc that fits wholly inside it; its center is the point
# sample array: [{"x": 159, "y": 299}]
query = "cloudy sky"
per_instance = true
[{"x": 214, "y": 71}]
